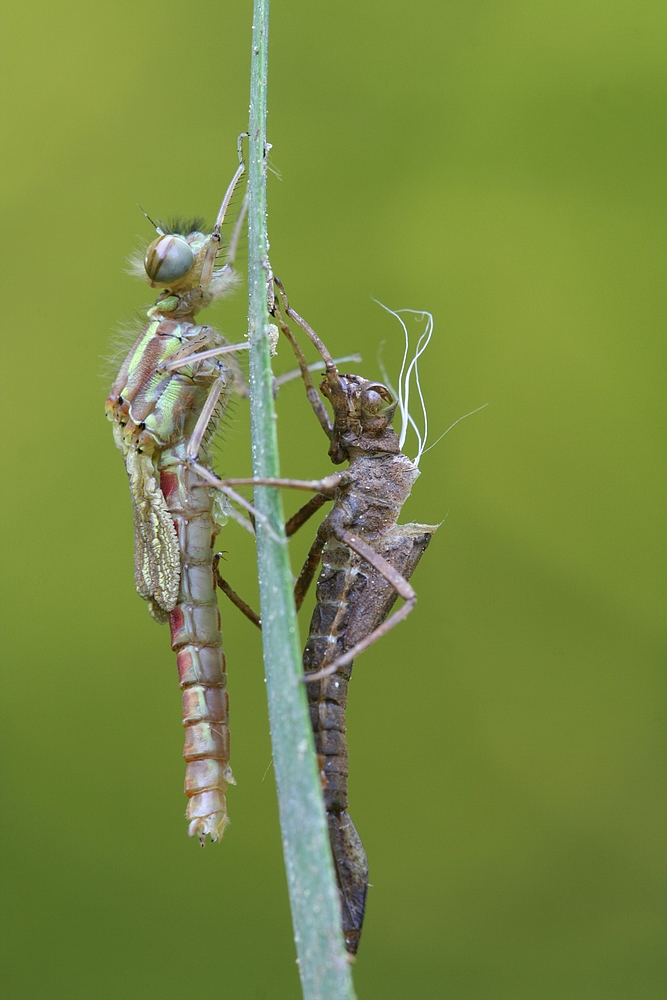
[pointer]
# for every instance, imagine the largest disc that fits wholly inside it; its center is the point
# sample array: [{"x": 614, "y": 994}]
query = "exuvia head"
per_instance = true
[
  {"x": 363, "y": 414},
  {"x": 358, "y": 400}
]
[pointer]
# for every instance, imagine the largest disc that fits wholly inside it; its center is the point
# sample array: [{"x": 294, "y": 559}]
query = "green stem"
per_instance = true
[{"x": 323, "y": 965}]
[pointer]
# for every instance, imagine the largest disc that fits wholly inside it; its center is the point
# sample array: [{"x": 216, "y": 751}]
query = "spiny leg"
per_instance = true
[
  {"x": 195, "y": 443},
  {"x": 221, "y": 485},
  {"x": 297, "y": 520},
  {"x": 232, "y": 595},
  {"x": 197, "y": 436},
  {"x": 306, "y": 575},
  {"x": 316, "y": 366},
  {"x": 188, "y": 353},
  {"x": 311, "y": 391},
  {"x": 309, "y": 569},
  {"x": 233, "y": 243},
  {"x": 307, "y": 329},
  {"x": 236, "y": 234},
  {"x": 336, "y": 392},
  {"x": 327, "y": 486},
  {"x": 214, "y": 243}
]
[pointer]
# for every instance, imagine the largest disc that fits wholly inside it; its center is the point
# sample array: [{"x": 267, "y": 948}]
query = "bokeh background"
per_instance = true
[{"x": 502, "y": 165}]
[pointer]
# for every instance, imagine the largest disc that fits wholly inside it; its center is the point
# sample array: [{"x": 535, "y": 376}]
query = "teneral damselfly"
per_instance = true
[{"x": 165, "y": 405}]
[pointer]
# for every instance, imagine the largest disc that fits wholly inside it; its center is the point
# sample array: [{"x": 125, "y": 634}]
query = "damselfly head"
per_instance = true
[{"x": 168, "y": 259}]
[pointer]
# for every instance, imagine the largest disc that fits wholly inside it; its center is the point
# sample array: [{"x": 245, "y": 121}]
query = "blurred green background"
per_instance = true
[{"x": 502, "y": 165}]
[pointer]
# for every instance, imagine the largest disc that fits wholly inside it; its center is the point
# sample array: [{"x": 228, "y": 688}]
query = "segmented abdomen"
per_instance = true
[
  {"x": 352, "y": 600},
  {"x": 327, "y": 699},
  {"x": 197, "y": 640}
]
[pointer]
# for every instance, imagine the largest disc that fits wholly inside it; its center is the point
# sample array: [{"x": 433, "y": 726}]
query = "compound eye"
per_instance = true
[
  {"x": 377, "y": 407},
  {"x": 375, "y": 399},
  {"x": 167, "y": 259}
]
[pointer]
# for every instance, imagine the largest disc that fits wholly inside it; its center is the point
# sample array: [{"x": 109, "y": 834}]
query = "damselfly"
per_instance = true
[{"x": 165, "y": 406}]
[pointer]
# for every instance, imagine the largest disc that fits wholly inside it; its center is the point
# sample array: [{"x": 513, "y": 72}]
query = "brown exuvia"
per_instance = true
[
  {"x": 367, "y": 559},
  {"x": 354, "y": 598}
]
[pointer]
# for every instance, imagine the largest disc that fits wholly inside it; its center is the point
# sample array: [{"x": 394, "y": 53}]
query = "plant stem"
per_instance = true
[{"x": 323, "y": 965}]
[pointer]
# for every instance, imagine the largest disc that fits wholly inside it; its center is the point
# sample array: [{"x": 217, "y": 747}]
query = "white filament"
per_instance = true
[
  {"x": 408, "y": 370},
  {"x": 381, "y": 365}
]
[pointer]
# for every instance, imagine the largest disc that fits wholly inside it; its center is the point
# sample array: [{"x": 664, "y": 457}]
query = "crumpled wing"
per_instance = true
[{"x": 157, "y": 563}]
